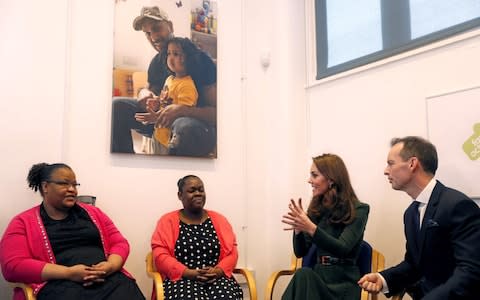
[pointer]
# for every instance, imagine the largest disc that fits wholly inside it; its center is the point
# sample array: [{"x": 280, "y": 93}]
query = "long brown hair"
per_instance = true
[{"x": 340, "y": 199}]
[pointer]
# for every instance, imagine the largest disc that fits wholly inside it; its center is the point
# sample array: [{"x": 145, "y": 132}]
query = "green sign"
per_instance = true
[{"x": 472, "y": 144}]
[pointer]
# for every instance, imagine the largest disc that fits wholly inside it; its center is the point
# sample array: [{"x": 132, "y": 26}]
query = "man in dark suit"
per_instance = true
[{"x": 442, "y": 229}]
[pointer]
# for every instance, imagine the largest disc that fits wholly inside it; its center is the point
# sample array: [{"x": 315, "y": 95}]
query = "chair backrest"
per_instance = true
[
  {"x": 27, "y": 290},
  {"x": 157, "y": 290},
  {"x": 87, "y": 199},
  {"x": 310, "y": 259},
  {"x": 364, "y": 260}
]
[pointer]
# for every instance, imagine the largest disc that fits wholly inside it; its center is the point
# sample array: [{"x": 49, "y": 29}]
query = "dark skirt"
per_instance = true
[
  {"x": 116, "y": 287},
  {"x": 332, "y": 282}
]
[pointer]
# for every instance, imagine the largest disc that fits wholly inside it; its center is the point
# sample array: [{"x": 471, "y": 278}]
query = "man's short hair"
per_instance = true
[
  {"x": 420, "y": 148},
  {"x": 149, "y": 12}
]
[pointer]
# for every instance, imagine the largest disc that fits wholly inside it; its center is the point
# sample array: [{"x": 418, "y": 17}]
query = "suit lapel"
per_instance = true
[{"x": 429, "y": 214}]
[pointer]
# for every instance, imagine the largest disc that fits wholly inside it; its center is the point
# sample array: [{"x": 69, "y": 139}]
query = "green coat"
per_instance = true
[{"x": 336, "y": 281}]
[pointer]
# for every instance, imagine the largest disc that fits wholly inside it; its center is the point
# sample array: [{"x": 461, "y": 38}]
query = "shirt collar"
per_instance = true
[{"x": 427, "y": 192}]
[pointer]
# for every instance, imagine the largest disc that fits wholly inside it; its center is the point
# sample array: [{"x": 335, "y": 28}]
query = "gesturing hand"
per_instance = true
[
  {"x": 298, "y": 219},
  {"x": 170, "y": 114}
]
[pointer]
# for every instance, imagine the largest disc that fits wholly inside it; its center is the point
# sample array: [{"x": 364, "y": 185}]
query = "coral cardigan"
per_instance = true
[
  {"x": 166, "y": 234},
  {"x": 25, "y": 248}
]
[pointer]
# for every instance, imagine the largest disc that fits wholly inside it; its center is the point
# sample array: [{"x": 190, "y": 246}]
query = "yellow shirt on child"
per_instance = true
[{"x": 180, "y": 91}]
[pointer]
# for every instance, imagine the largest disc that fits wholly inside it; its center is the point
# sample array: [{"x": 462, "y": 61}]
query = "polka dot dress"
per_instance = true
[{"x": 197, "y": 246}]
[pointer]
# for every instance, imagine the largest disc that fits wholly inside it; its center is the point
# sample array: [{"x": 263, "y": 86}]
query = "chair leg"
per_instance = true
[
  {"x": 27, "y": 290},
  {"x": 252, "y": 288}
]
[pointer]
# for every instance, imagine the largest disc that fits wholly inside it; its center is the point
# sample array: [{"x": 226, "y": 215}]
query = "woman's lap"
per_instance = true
[
  {"x": 308, "y": 283},
  {"x": 222, "y": 288},
  {"x": 117, "y": 286}
]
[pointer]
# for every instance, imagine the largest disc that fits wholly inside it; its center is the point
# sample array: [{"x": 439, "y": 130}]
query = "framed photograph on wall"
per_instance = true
[{"x": 164, "y": 91}]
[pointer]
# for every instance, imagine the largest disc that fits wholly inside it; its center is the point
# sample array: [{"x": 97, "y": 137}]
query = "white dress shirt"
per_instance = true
[{"x": 423, "y": 198}]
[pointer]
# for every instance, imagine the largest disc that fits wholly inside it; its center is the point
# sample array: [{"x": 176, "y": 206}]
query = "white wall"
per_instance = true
[
  {"x": 136, "y": 190},
  {"x": 256, "y": 170},
  {"x": 32, "y": 56},
  {"x": 275, "y": 121},
  {"x": 58, "y": 98},
  {"x": 256, "y": 166},
  {"x": 356, "y": 116}
]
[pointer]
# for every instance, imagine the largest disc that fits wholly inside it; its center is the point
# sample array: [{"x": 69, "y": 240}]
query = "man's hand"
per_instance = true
[
  {"x": 170, "y": 114},
  {"x": 371, "y": 282},
  {"x": 143, "y": 96},
  {"x": 153, "y": 104},
  {"x": 150, "y": 117}
]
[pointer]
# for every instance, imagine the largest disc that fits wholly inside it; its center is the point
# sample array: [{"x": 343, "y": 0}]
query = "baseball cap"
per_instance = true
[{"x": 149, "y": 12}]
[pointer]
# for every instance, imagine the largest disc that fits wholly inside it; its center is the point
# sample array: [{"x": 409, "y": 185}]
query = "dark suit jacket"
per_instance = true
[{"x": 446, "y": 261}]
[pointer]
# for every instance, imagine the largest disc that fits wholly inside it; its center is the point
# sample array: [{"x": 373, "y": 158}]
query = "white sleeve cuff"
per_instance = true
[{"x": 384, "y": 284}]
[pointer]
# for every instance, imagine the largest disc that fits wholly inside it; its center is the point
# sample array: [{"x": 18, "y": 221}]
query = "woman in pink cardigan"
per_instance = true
[
  {"x": 195, "y": 249},
  {"x": 65, "y": 249}
]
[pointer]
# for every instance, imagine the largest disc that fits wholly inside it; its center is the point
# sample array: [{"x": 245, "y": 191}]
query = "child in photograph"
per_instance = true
[
  {"x": 197, "y": 124},
  {"x": 179, "y": 88}
]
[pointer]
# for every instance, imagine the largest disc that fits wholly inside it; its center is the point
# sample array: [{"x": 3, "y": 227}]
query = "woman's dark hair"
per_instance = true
[
  {"x": 181, "y": 182},
  {"x": 42, "y": 172},
  {"x": 340, "y": 199},
  {"x": 190, "y": 51}
]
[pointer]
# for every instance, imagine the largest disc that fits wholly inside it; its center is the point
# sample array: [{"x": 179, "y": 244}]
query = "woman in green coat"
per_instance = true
[{"x": 334, "y": 222}]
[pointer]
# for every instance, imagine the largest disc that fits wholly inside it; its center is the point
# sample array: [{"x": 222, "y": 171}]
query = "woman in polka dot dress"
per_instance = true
[{"x": 195, "y": 249}]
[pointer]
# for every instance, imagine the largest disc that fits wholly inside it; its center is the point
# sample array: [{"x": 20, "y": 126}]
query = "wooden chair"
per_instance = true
[
  {"x": 370, "y": 260},
  {"x": 27, "y": 290},
  {"x": 158, "y": 285}
]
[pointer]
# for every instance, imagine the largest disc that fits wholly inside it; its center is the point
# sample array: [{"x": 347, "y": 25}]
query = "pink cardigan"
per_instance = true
[
  {"x": 166, "y": 234},
  {"x": 25, "y": 248}
]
